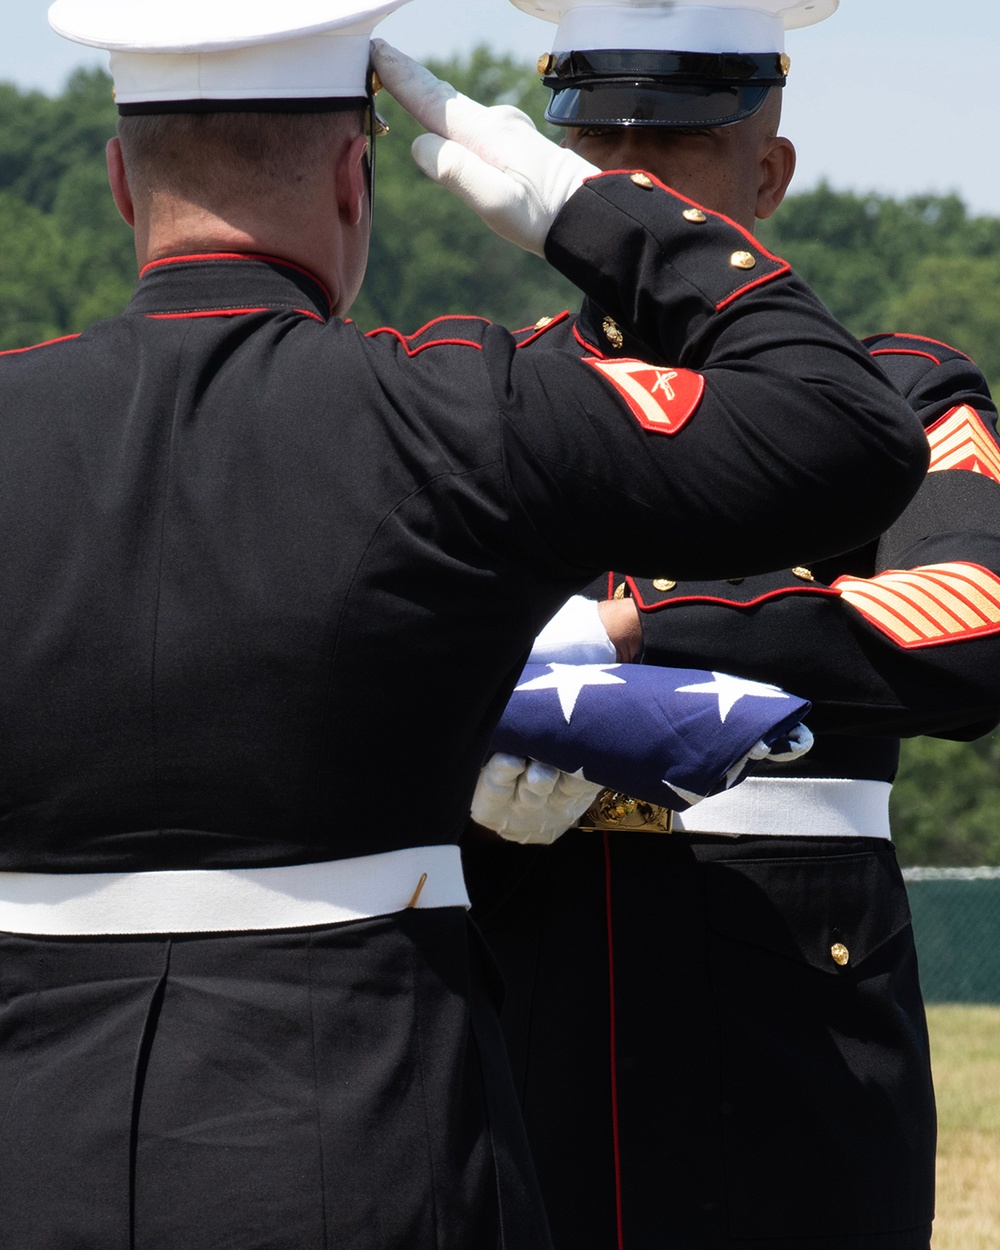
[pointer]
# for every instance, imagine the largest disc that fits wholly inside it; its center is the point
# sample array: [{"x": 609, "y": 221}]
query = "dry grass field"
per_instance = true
[{"x": 965, "y": 1045}]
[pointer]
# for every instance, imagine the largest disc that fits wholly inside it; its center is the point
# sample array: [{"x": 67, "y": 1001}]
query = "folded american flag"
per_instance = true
[{"x": 670, "y": 736}]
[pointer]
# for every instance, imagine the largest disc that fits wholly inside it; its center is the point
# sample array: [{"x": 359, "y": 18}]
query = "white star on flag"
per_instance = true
[
  {"x": 569, "y": 679},
  {"x": 729, "y": 690}
]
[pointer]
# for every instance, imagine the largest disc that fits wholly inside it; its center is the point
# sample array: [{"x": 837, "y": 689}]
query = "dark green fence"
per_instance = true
[{"x": 956, "y": 921}]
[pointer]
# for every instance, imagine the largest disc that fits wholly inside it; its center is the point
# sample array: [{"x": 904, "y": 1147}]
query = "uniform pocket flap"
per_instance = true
[{"x": 816, "y": 909}]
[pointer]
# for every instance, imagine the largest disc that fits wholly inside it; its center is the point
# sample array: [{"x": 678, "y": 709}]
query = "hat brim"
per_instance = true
[{"x": 623, "y": 103}]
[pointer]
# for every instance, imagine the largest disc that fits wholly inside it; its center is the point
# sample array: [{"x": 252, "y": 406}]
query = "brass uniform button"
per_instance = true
[
  {"x": 695, "y": 215},
  {"x": 376, "y": 82},
  {"x": 542, "y": 322},
  {"x": 743, "y": 260},
  {"x": 786, "y": 63},
  {"x": 804, "y": 575},
  {"x": 612, "y": 332},
  {"x": 663, "y": 583},
  {"x": 619, "y": 591},
  {"x": 546, "y": 63},
  {"x": 840, "y": 954},
  {"x": 644, "y": 181}
]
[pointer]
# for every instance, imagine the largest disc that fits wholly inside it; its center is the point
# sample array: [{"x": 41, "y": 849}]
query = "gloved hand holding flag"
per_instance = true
[{"x": 668, "y": 736}]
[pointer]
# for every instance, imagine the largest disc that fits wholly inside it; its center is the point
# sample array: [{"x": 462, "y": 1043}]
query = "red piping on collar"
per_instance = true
[
  {"x": 596, "y": 351},
  {"x": 225, "y": 312},
  {"x": 257, "y": 256}
]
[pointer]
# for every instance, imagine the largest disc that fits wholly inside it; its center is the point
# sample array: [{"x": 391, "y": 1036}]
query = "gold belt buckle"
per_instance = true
[{"x": 612, "y": 810}]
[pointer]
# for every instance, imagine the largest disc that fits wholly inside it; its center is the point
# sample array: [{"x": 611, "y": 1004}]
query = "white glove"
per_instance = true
[
  {"x": 525, "y": 801},
  {"x": 575, "y": 635},
  {"x": 493, "y": 159}
]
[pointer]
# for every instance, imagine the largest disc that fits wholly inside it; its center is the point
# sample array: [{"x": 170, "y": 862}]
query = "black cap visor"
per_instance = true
[
  {"x": 653, "y": 104},
  {"x": 635, "y": 87}
]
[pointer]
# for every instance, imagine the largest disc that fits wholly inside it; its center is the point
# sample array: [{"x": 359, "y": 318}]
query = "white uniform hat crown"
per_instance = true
[
  {"x": 677, "y": 25},
  {"x": 228, "y": 50}
]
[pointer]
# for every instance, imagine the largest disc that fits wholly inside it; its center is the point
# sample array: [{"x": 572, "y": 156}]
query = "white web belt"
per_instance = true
[
  {"x": 794, "y": 807},
  {"x": 223, "y": 900}
]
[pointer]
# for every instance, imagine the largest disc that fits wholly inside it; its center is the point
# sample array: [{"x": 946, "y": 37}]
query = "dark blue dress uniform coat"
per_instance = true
[
  {"x": 265, "y": 585},
  {"x": 696, "y": 1070}
]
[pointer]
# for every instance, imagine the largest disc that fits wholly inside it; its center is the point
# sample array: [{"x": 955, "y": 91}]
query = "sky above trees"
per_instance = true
[{"x": 891, "y": 96}]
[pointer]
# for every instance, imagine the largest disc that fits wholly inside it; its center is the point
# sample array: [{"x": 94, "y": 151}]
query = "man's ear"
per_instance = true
[
  {"x": 352, "y": 181},
  {"x": 119, "y": 183},
  {"x": 777, "y": 165}
]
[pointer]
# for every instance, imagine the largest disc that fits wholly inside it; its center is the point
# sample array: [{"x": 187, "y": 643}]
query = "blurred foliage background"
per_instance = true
[{"x": 920, "y": 264}]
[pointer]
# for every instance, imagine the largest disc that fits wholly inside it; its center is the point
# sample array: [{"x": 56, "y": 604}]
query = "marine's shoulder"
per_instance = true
[{"x": 449, "y": 331}]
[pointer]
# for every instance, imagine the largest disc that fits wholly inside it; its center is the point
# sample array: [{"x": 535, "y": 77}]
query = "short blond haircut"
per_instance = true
[{"x": 224, "y": 158}]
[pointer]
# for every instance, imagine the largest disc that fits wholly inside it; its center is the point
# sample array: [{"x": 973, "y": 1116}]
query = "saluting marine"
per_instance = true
[
  {"x": 245, "y": 552},
  {"x": 717, "y": 1032}
]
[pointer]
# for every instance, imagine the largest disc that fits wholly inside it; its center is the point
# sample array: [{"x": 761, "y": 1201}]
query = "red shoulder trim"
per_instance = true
[
  {"x": 903, "y": 351},
  {"x": 16, "y": 351},
  {"x": 413, "y": 348},
  {"x": 535, "y": 332},
  {"x": 918, "y": 338}
]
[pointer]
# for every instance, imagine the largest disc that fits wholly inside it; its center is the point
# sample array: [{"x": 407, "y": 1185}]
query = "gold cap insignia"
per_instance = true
[{"x": 612, "y": 333}]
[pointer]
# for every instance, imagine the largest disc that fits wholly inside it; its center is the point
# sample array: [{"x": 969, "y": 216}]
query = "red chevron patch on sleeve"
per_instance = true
[
  {"x": 960, "y": 440},
  {"x": 662, "y": 400},
  {"x": 927, "y": 606}
]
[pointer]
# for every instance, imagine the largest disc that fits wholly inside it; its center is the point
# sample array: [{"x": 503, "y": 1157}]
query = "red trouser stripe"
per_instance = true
[{"x": 613, "y": 1041}]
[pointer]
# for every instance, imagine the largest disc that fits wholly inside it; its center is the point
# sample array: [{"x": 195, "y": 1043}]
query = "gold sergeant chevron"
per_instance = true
[
  {"x": 927, "y": 606},
  {"x": 960, "y": 440}
]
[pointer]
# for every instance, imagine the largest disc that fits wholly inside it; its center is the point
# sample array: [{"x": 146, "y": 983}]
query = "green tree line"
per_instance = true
[{"x": 921, "y": 264}]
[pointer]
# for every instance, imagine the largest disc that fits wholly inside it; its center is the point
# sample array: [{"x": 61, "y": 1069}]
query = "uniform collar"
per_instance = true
[
  {"x": 228, "y": 282},
  {"x": 603, "y": 334}
]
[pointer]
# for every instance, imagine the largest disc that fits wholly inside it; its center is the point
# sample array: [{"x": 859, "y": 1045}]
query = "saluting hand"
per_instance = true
[{"x": 493, "y": 159}]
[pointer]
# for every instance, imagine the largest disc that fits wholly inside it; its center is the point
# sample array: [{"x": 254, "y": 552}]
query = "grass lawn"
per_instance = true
[{"x": 965, "y": 1048}]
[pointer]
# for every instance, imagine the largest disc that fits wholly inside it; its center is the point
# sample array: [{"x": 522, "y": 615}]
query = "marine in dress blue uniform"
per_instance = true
[
  {"x": 717, "y": 1034},
  {"x": 245, "y": 550}
]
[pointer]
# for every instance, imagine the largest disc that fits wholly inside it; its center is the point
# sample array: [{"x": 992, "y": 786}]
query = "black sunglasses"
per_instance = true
[{"x": 375, "y": 127}]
